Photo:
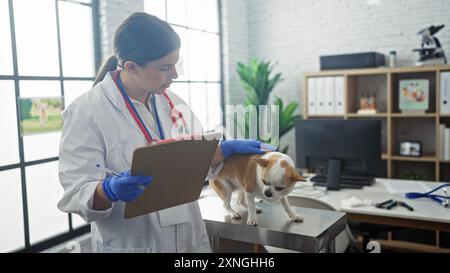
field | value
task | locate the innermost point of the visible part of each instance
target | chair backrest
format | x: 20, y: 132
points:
x: 344, y: 239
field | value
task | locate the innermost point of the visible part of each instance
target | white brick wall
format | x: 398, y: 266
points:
x: 295, y: 33
x: 112, y: 13
x: 236, y: 46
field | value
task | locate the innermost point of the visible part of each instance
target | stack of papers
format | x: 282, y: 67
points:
x: 405, y: 186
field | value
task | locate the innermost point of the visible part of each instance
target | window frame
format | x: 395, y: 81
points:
x: 16, y: 78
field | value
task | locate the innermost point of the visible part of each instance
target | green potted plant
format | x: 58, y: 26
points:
x: 256, y: 79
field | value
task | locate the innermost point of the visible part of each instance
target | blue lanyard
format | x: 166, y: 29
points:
x: 136, y: 114
x: 161, y: 134
x: 441, y: 199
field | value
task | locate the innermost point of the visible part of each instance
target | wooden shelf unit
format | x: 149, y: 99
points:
x: 395, y: 121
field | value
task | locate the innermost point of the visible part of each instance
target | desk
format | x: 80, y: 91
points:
x: 427, y: 214
x: 315, y: 234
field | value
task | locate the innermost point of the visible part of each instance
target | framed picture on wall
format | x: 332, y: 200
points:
x: 411, y: 148
x: 40, y: 115
x: 414, y: 95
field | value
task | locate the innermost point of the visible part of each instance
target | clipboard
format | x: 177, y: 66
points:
x: 179, y: 169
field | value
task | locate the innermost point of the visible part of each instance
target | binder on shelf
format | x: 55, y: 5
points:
x: 445, y: 93
x: 442, y: 141
x: 312, y: 96
x: 447, y: 144
x: 321, y: 95
x: 330, y: 108
x: 339, y: 95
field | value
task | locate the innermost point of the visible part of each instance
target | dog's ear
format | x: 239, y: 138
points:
x: 296, y: 177
x: 261, y: 161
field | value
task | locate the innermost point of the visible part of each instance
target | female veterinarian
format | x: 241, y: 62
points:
x: 129, y: 107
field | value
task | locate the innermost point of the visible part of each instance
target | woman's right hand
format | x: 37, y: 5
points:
x: 240, y: 146
x: 125, y: 188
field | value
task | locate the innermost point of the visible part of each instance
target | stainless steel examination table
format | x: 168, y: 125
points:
x: 315, y: 234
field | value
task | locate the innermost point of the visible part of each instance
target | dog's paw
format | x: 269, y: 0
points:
x: 236, y: 216
x: 297, y: 219
x: 259, y: 210
x: 251, y: 221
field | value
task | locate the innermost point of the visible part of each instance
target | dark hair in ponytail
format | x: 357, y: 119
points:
x: 141, y: 38
x: 110, y: 65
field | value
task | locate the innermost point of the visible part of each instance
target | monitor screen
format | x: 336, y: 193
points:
x: 356, y: 143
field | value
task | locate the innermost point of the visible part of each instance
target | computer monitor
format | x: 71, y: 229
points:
x: 348, y: 152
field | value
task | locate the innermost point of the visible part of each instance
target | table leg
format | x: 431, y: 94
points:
x: 214, y: 242
x: 331, y: 247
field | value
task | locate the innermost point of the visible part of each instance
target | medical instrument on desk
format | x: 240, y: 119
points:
x: 111, y: 172
x: 391, y: 203
x: 441, y: 199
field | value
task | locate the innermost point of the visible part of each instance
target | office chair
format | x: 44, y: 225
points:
x: 345, y: 241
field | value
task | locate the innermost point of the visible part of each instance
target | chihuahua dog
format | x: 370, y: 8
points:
x: 270, y: 177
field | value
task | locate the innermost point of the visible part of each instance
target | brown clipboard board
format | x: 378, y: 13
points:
x: 179, y: 169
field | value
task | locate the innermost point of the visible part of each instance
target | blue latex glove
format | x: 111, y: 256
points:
x: 125, y: 188
x: 240, y: 146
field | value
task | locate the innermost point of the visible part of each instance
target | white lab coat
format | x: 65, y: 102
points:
x: 98, y: 128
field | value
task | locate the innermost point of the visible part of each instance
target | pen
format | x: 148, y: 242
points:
x: 142, y: 187
x: 383, y: 204
x: 108, y: 170
x: 403, y: 204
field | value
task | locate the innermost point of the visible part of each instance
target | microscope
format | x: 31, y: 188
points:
x: 431, y: 52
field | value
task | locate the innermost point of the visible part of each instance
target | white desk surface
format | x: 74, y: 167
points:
x: 424, y: 208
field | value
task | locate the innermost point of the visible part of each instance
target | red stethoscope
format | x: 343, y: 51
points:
x: 175, y: 114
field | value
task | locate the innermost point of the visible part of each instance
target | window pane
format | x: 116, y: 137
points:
x: 211, y: 16
x: 11, y: 211
x: 73, y: 89
x: 182, y: 65
x: 176, y: 12
x: 76, y: 39
x: 197, y: 49
x: 156, y: 7
x: 43, y: 145
x: 214, y: 106
x: 37, y: 48
x: 6, y: 67
x: 195, y: 14
x: 212, y: 56
x: 198, y: 102
x: 43, y: 193
x: 182, y: 90
x: 9, y: 144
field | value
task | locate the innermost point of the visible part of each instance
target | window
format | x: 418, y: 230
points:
x: 9, y: 144
x: 43, y: 193
x: 6, y: 65
x: 73, y: 17
x: 11, y: 211
x: 36, y: 54
x: 50, y: 55
x: 199, y: 68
